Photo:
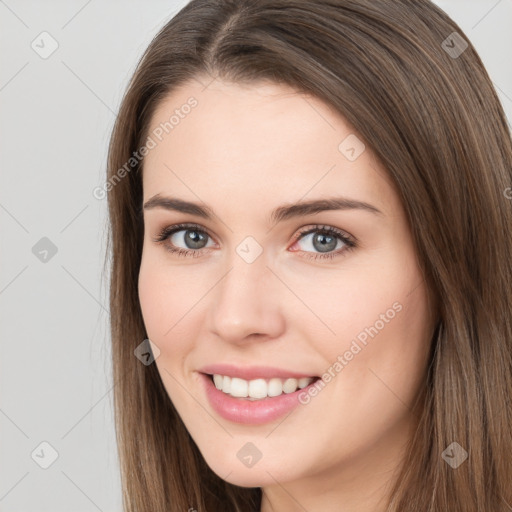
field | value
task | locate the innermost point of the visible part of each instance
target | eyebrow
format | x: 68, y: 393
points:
x: 284, y: 212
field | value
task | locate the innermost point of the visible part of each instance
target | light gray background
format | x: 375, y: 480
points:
x: 56, y: 118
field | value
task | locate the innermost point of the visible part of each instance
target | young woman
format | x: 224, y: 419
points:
x: 311, y: 235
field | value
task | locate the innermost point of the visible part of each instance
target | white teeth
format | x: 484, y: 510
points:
x: 303, y: 382
x: 275, y: 387
x: 290, y: 385
x: 226, y: 384
x: 217, y: 379
x: 258, y: 389
x: 239, y: 387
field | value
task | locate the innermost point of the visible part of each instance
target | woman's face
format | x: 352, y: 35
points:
x: 264, y: 293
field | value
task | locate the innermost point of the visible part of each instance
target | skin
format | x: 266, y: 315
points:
x: 244, y: 150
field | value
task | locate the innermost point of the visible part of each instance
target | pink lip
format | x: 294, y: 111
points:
x: 251, y: 372
x: 241, y: 410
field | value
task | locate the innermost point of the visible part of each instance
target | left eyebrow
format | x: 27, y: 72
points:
x: 304, y: 208
x: 284, y: 212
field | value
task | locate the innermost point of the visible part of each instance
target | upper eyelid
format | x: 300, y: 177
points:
x: 298, y: 234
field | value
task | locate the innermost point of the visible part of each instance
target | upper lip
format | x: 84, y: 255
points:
x: 251, y: 372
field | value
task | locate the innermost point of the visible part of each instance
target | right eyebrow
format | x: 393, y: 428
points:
x: 178, y: 205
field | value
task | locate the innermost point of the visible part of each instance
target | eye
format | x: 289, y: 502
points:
x: 325, y: 239
x: 194, y: 240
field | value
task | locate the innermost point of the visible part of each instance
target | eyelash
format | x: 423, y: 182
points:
x: 349, y: 242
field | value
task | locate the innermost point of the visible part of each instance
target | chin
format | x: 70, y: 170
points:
x: 245, y: 477
x: 259, y: 475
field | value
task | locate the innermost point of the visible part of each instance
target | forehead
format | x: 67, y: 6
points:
x: 261, y: 142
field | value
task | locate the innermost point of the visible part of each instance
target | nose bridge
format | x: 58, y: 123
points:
x: 246, y: 299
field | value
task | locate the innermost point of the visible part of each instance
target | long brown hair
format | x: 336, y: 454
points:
x: 420, y: 97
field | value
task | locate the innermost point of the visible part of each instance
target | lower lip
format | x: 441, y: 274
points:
x: 249, y: 412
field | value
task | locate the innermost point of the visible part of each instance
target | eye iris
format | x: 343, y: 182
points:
x: 194, y: 238
x: 323, y: 245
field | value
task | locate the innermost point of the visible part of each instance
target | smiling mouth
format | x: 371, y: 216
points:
x: 259, y: 389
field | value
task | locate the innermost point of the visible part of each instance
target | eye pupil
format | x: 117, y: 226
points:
x: 195, y: 238
x: 323, y: 245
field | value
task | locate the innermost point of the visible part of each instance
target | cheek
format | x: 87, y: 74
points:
x: 161, y: 309
x: 161, y: 301
x: 150, y: 298
x: 167, y: 300
x: 384, y: 360
x: 383, y: 327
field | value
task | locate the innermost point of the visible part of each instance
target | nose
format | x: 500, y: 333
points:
x: 247, y: 303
